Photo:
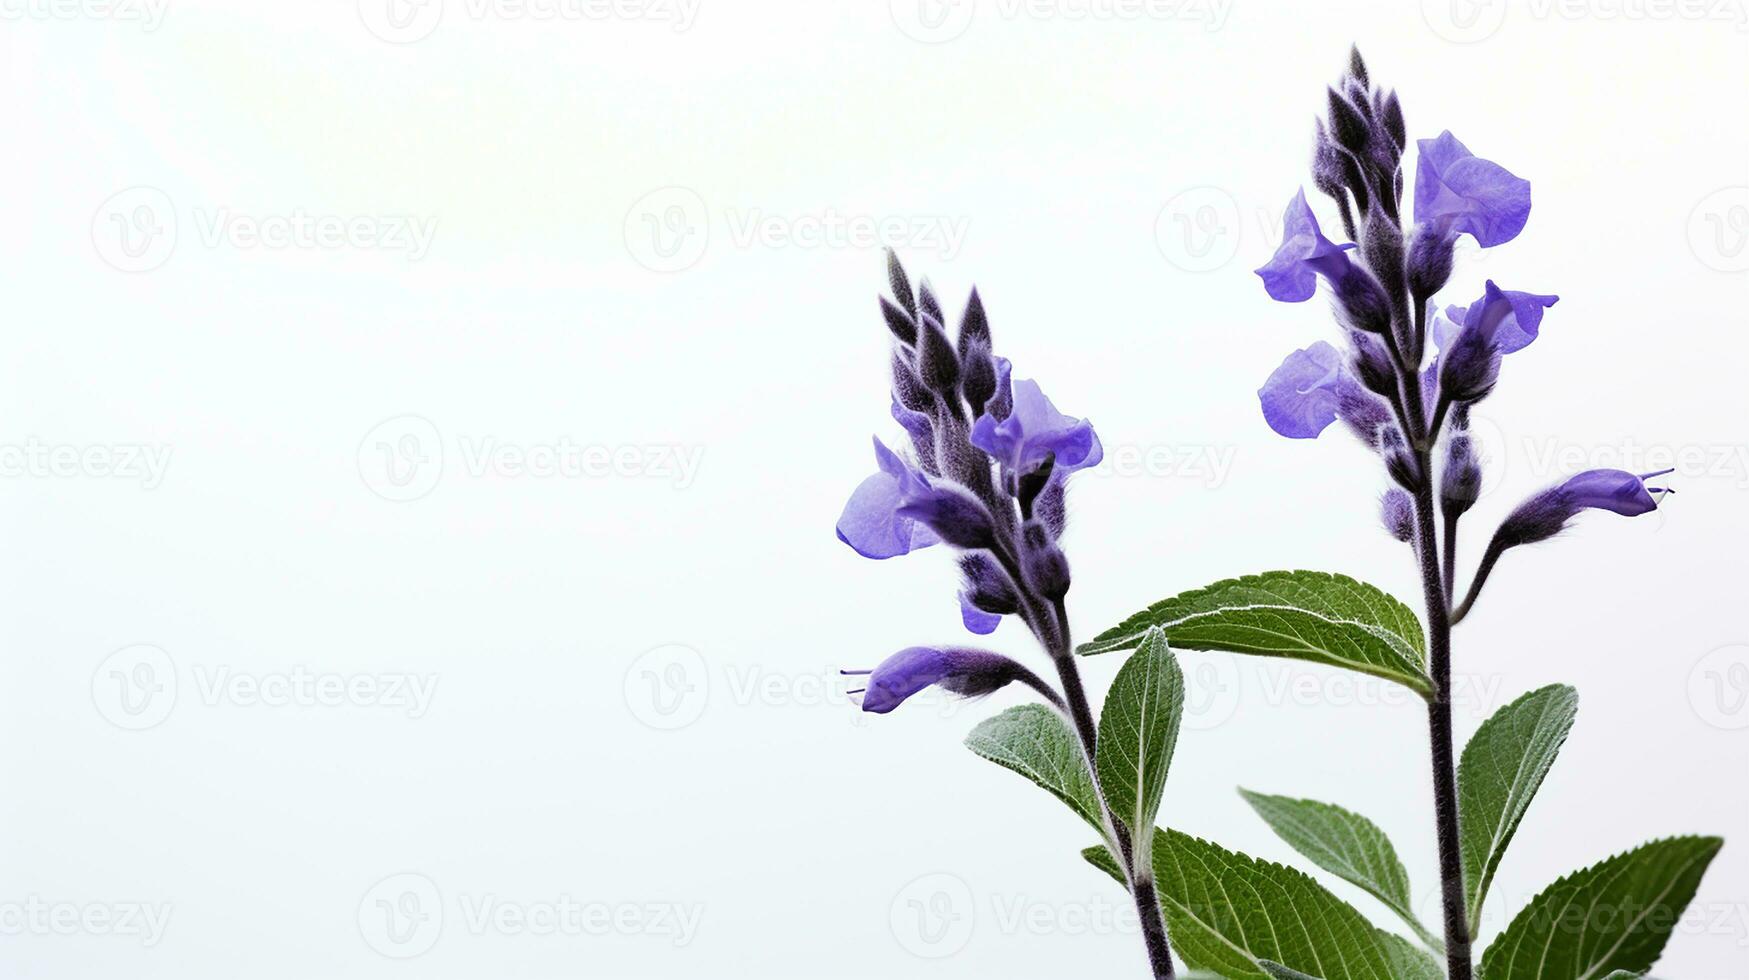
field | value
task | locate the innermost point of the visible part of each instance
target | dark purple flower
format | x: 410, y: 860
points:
x: 872, y: 523
x: 1292, y: 275
x: 966, y: 672
x: 1546, y: 513
x: 1457, y: 192
x: 1032, y: 430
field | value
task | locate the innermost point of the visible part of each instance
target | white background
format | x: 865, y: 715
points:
x: 1115, y: 178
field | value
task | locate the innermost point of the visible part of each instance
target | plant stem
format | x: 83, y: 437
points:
x: 1445, y: 805
x: 1141, y: 878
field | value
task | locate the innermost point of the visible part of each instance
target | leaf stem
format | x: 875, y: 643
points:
x: 1141, y: 876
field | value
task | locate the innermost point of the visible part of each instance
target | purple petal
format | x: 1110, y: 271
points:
x: 1299, y: 399
x: 1460, y: 193
x: 977, y: 620
x: 962, y: 671
x: 1292, y: 274
x: 1034, y: 429
x: 871, y: 523
x: 1507, y: 317
x: 1618, y: 491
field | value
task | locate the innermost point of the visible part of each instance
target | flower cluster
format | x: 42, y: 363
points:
x: 985, y: 473
x: 1409, y: 373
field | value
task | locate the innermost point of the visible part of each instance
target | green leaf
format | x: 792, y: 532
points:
x: 1345, y: 844
x: 1325, y: 619
x: 1280, y: 972
x: 1036, y: 742
x: 1501, y: 770
x: 1138, y: 730
x: 1612, y: 916
x: 1409, y: 961
x: 1228, y: 913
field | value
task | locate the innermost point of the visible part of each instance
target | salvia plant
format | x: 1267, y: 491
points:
x: 985, y: 471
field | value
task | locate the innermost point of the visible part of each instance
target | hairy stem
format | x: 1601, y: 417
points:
x: 1445, y: 805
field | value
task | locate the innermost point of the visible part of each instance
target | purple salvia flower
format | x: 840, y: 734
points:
x: 1457, y: 192
x: 966, y: 672
x: 1292, y: 275
x: 1506, y: 318
x: 872, y: 524
x: 1546, y: 513
x: 1032, y: 430
x: 1316, y: 386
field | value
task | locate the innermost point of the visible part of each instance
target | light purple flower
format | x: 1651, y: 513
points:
x: 872, y: 523
x: 1292, y: 275
x: 977, y: 620
x: 1457, y: 192
x: 1299, y: 399
x: 1034, y: 429
x: 962, y: 671
x: 1505, y: 318
x: 1544, y: 514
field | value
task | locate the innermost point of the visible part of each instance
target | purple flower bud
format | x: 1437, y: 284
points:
x: 901, y: 285
x: 977, y: 620
x: 1429, y: 263
x: 1468, y: 370
x: 927, y: 304
x: 974, y: 324
x: 966, y: 672
x: 1042, y: 563
x: 1461, y: 477
x: 1292, y: 275
x: 979, y: 380
x: 1472, y: 340
x: 1364, y: 413
x: 1363, y: 303
x: 937, y: 363
x: 954, y: 515
x: 1459, y: 193
x: 1397, y: 512
x: 1400, y: 462
x: 988, y: 590
x: 1392, y: 112
x: 1373, y: 364
x: 899, y: 322
x: 908, y: 387
x: 1545, y: 514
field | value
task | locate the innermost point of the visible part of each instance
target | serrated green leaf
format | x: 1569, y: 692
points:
x: 1312, y: 616
x: 1345, y: 844
x: 1036, y: 742
x: 1227, y: 913
x: 1138, y: 730
x: 1409, y: 961
x: 1613, y: 916
x: 1280, y: 972
x: 1502, y: 768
